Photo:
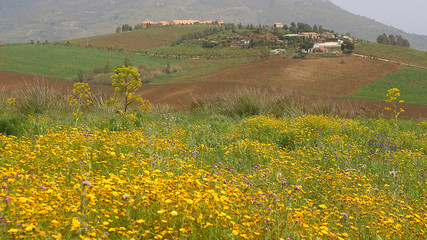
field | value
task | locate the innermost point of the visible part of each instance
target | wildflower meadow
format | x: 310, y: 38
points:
x: 177, y: 176
x: 141, y: 173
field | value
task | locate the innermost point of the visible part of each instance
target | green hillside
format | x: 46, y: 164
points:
x: 411, y: 82
x: 64, y: 62
x: 141, y: 39
x: 395, y: 53
x: 23, y: 20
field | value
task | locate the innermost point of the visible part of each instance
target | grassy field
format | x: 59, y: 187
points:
x: 141, y: 39
x: 411, y: 82
x: 64, y: 62
x: 196, y: 70
x: 187, y: 50
x: 399, y: 54
x: 170, y: 176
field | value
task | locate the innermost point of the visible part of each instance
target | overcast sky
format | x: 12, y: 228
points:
x: 407, y: 15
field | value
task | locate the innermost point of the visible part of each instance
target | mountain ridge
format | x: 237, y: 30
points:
x: 39, y: 20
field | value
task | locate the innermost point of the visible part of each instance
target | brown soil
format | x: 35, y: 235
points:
x: 317, y: 82
x: 325, y: 76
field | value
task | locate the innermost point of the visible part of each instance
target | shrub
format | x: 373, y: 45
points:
x: 11, y: 125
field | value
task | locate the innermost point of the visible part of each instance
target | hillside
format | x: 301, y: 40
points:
x: 56, y: 20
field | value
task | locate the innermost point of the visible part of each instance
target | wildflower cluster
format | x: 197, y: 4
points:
x: 79, y: 100
x: 393, y: 95
x: 309, y: 177
x: 12, y: 105
x: 126, y: 82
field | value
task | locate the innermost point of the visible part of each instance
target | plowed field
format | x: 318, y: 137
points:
x: 316, y: 81
x: 324, y: 76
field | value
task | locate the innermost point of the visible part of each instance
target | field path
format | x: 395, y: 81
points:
x: 391, y: 61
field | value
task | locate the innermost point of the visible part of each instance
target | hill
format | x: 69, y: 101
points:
x: 55, y: 20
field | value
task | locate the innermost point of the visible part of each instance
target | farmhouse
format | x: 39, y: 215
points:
x: 147, y: 23
x: 183, y: 22
x: 309, y: 35
x: 278, y: 25
x: 327, y: 35
x: 221, y: 23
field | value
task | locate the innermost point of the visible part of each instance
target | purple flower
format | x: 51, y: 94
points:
x: 297, y: 188
x: 6, y: 198
x: 36, y: 136
x: 6, y: 187
x: 296, y: 220
x: 266, y: 229
x: 86, y: 183
x: 345, y: 214
x: 125, y: 197
x: 288, y: 238
x: 392, y: 172
x: 1, y: 218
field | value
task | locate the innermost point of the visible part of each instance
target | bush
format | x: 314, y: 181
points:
x: 11, y: 125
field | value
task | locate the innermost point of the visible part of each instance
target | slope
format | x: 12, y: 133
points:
x: 58, y: 20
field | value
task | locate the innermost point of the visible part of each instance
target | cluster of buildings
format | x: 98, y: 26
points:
x: 147, y: 23
x: 318, y: 37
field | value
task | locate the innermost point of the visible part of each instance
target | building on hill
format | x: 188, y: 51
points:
x: 183, y: 22
x: 278, y: 25
x: 147, y: 23
x: 327, y: 35
x: 309, y: 35
x: 222, y: 23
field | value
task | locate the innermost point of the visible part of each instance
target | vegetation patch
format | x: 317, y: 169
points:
x: 65, y: 62
x: 411, y: 82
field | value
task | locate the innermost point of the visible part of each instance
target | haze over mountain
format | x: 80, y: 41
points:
x: 40, y: 20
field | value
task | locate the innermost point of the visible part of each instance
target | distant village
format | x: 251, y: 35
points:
x: 322, y: 40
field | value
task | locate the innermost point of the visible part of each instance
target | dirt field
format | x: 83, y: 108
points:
x: 324, y: 76
x: 318, y: 82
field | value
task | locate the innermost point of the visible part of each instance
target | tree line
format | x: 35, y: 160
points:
x: 393, y: 40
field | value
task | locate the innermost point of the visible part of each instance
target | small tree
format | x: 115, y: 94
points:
x: 306, y: 45
x: 126, y: 82
x: 347, y: 46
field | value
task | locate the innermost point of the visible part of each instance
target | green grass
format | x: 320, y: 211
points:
x: 411, y: 82
x: 194, y: 71
x: 193, y: 50
x: 65, y: 62
x: 399, y: 54
x: 141, y: 39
